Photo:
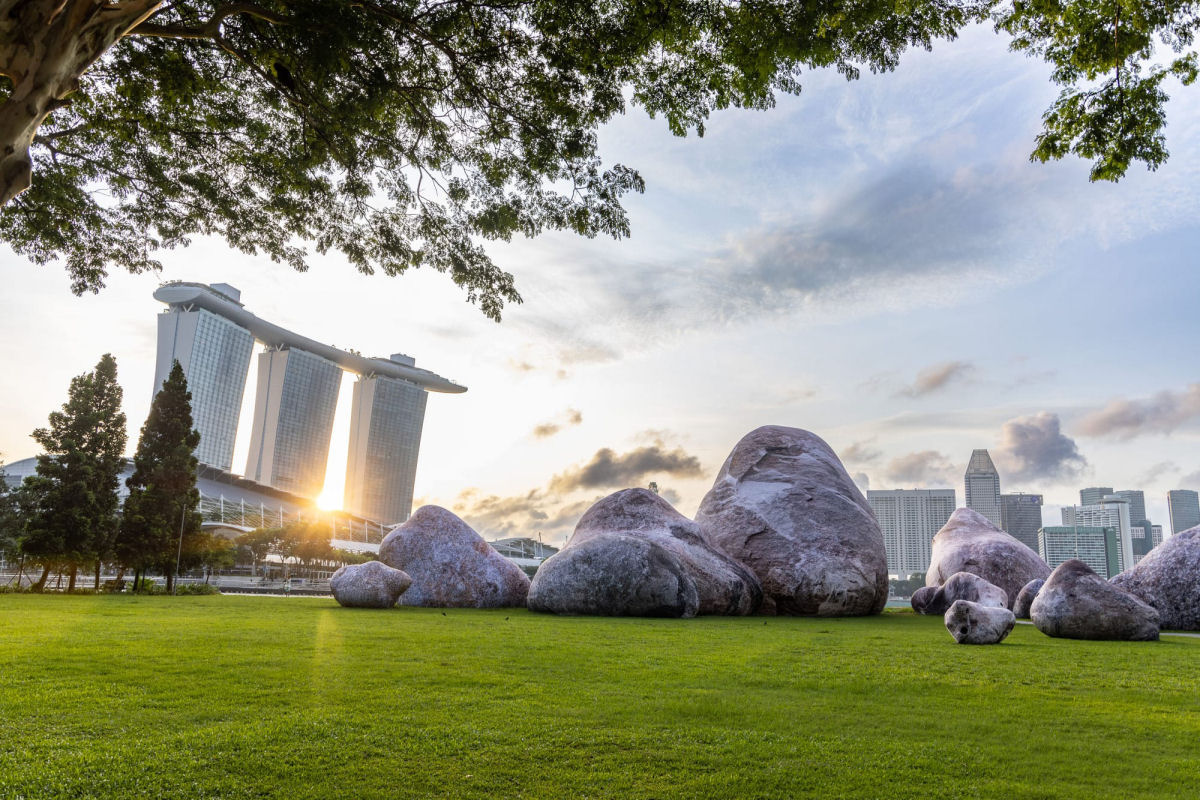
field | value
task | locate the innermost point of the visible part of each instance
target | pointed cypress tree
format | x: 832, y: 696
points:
x: 74, y: 495
x: 162, y: 489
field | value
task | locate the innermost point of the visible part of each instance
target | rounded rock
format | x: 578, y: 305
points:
x: 369, y: 585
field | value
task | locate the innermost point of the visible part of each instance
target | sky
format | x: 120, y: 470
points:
x: 876, y: 261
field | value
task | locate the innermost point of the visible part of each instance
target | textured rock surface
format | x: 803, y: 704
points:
x: 597, y: 572
x: 1025, y: 598
x: 1076, y: 603
x: 975, y: 623
x: 370, y: 585
x: 1168, y: 578
x: 784, y: 506
x: 964, y: 586
x: 968, y: 542
x: 451, y: 565
x: 921, y: 599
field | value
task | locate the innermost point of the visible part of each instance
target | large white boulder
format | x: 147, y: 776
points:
x: 1168, y: 578
x: 1076, y: 603
x: 969, y: 542
x: 784, y: 506
x: 370, y: 585
x: 450, y: 564
x: 633, y: 554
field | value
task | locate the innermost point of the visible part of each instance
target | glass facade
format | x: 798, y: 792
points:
x: 909, y: 519
x: 1021, y: 517
x: 293, y: 420
x: 1097, y: 546
x: 385, y: 441
x: 1184, y: 508
x: 215, y: 354
x: 982, y: 484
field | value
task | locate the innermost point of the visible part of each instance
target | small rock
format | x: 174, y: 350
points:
x: 964, y: 586
x: 1168, y: 578
x: 369, y: 585
x: 450, y: 564
x: 1076, y: 603
x: 974, y: 623
x: 1026, y: 597
x: 784, y: 506
x: 921, y: 599
x: 968, y: 542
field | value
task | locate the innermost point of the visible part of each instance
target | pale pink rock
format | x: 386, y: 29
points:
x: 969, y: 542
x: 450, y: 564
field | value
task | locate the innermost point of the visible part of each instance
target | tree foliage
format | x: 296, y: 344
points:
x: 1106, y: 55
x: 73, y: 498
x: 406, y: 133
x: 162, y: 500
x: 401, y: 133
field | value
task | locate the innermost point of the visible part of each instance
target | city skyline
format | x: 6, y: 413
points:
x: 876, y: 262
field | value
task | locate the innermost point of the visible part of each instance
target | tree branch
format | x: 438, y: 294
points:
x: 211, y: 29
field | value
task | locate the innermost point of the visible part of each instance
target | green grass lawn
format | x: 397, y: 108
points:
x: 251, y: 697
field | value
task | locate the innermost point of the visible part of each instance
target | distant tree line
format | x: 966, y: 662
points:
x: 899, y: 588
x: 68, y: 516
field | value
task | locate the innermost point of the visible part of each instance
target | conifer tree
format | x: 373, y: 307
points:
x: 162, y: 490
x: 74, y: 495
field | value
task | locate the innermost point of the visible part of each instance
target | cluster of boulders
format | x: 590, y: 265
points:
x: 982, y: 580
x: 784, y: 530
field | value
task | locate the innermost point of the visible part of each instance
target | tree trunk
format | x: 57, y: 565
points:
x: 71, y: 580
x: 45, y: 47
x: 40, y: 586
x: 96, y: 585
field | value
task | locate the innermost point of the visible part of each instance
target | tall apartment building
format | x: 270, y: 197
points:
x: 982, y: 484
x: 1021, y: 517
x: 1097, y: 546
x: 1184, y: 508
x: 1137, y: 505
x: 909, y: 518
x: 293, y: 420
x: 1111, y: 512
x: 385, y: 439
x: 212, y: 335
x: 215, y: 355
x: 1093, y: 495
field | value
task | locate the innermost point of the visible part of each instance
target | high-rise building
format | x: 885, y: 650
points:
x: 1093, y: 495
x: 1111, y: 512
x: 1021, y: 517
x: 293, y: 420
x: 1137, y: 504
x: 212, y: 335
x: 215, y: 355
x: 909, y: 518
x: 1097, y: 546
x: 1184, y: 508
x: 982, y: 483
x: 385, y: 439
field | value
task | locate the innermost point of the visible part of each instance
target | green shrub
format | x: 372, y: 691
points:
x: 196, y: 588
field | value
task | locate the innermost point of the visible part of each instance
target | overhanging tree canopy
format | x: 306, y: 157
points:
x: 405, y: 132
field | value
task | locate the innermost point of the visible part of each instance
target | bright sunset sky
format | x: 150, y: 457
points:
x: 875, y: 261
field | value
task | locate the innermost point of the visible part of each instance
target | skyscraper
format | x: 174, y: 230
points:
x: 1111, y: 512
x: 1021, y: 517
x: 1093, y: 495
x: 1184, y: 507
x: 293, y: 420
x: 212, y: 335
x: 385, y: 439
x: 1137, y: 505
x: 983, y: 486
x: 215, y: 355
x: 1097, y: 546
x: 909, y: 519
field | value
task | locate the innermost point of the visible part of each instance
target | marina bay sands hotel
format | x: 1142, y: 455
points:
x: 212, y: 335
